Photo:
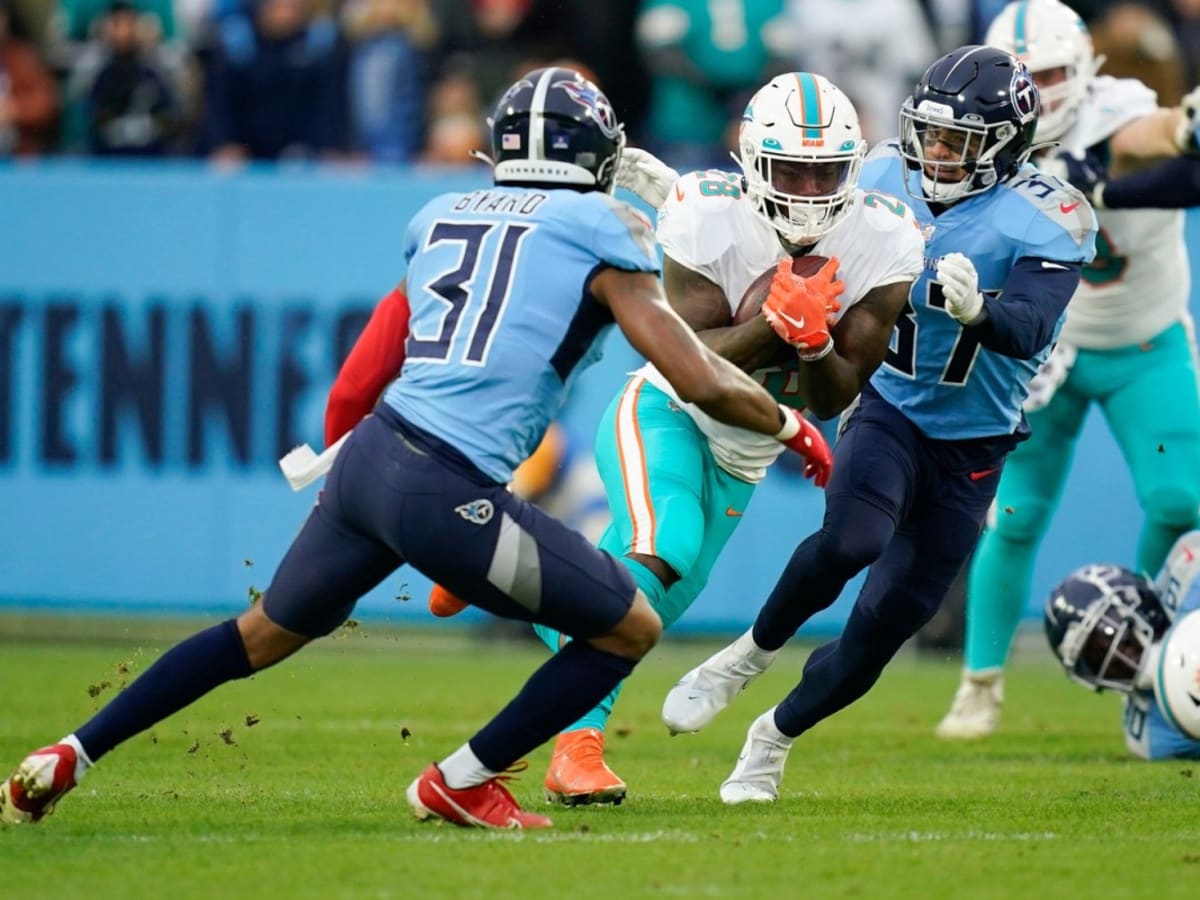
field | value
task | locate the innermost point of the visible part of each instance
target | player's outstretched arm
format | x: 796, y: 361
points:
x: 1173, y: 184
x: 696, y: 373
x: 374, y: 360
x: 1161, y: 134
x: 703, y: 305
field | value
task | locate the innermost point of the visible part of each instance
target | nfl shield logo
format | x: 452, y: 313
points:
x: 510, y: 142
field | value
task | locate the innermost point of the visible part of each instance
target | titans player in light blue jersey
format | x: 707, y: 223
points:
x: 507, y: 295
x: 1109, y: 629
x: 919, y: 457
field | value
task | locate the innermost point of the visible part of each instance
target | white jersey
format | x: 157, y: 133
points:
x: 1138, y: 284
x: 708, y: 226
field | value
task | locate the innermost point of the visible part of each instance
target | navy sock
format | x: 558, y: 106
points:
x: 569, y: 684
x: 183, y: 674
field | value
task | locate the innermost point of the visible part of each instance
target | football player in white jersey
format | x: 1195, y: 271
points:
x: 1126, y: 346
x: 677, y: 480
x: 1114, y: 630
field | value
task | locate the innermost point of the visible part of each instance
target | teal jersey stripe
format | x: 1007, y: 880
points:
x: 1022, y: 45
x: 810, y: 106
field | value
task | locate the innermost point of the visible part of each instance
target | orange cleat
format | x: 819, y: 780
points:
x: 487, y: 805
x: 444, y: 604
x: 578, y: 773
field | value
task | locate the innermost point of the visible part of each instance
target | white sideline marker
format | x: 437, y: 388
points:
x: 301, y: 466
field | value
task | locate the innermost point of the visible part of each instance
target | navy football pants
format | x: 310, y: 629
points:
x: 909, y: 507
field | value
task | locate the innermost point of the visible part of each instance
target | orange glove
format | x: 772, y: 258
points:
x: 799, y: 309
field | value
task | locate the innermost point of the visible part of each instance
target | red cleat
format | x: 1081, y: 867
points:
x: 487, y: 805
x: 444, y: 604
x: 41, y: 779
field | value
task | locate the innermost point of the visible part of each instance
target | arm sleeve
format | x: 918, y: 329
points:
x: 1024, y: 318
x: 1173, y: 184
x: 374, y: 360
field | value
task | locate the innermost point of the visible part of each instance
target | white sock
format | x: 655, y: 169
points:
x: 752, y: 653
x: 462, y: 769
x: 82, y: 762
x: 767, y: 728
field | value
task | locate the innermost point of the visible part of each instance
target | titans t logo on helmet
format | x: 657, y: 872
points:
x: 586, y: 95
x: 1023, y: 94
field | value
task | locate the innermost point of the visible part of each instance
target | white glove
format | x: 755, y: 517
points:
x: 960, y: 287
x: 1050, y: 376
x: 1185, y: 132
x: 646, y: 175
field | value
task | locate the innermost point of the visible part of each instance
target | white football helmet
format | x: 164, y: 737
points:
x: 1046, y: 34
x: 1177, y: 681
x: 801, y: 152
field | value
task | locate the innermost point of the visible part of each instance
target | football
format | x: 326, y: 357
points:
x: 756, y: 295
x: 752, y: 300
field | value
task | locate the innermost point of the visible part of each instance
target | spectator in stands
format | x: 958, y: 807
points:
x: 28, y: 94
x: 276, y: 85
x: 454, y: 109
x: 501, y: 37
x: 131, y: 109
x: 75, y: 25
x: 387, y: 79
x: 875, y: 70
x: 705, y: 61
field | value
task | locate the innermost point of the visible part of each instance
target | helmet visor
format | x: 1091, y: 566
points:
x: 946, y: 151
x: 1106, y: 648
x: 803, y: 197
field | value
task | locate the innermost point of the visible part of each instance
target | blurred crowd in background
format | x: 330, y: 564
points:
x: 403, y: 81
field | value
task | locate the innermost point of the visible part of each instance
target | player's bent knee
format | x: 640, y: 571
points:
x: 1172, y: 507
x: 1023, y: 521
x: 265, y: 641
x: 636, y: 634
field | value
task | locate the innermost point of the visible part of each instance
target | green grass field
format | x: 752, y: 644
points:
x: 309, y: 800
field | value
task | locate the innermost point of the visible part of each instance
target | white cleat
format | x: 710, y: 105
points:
x: 707, y: 689
x: 759, y: 769
x: 975, y: 712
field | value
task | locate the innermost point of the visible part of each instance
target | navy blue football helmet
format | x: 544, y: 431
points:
x: 1100, y: 622
x: 979, y: 107
x: 554, y: 127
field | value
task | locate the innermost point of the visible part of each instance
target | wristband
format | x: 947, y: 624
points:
x: 791, y: 426
x: 816, y: 354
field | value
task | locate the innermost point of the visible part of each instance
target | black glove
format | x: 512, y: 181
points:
x: 1087, y: 174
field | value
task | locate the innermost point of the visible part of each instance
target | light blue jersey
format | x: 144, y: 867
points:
x: 501, y: 318
x: 943, y: 381
x: 1148, y: 734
